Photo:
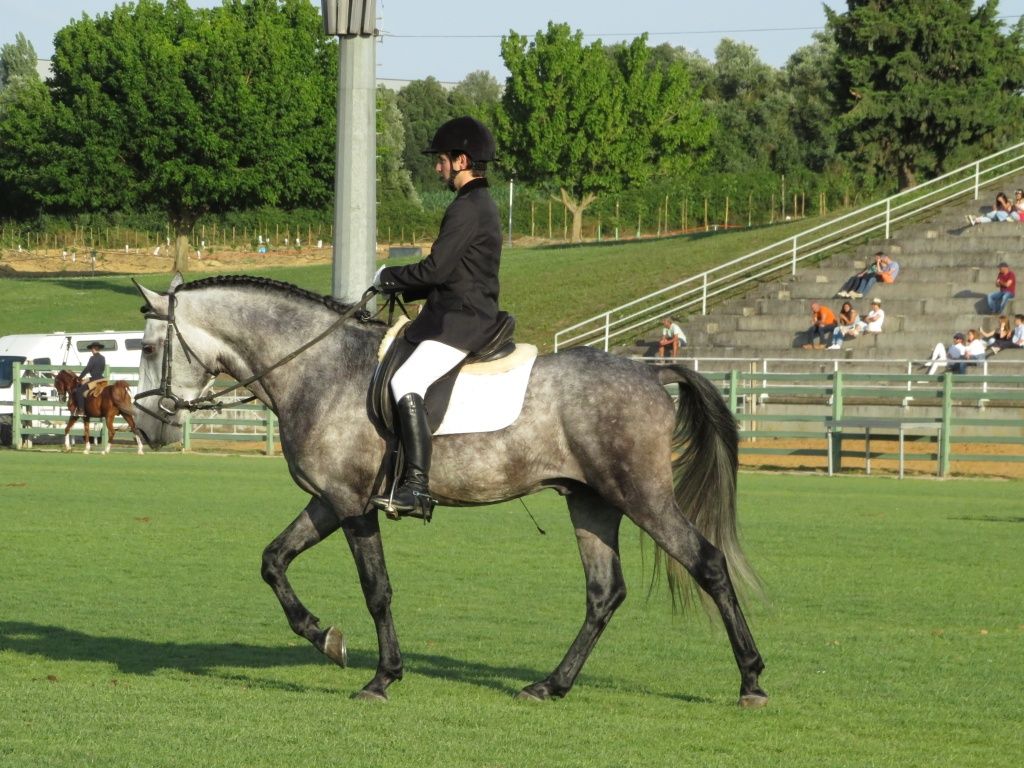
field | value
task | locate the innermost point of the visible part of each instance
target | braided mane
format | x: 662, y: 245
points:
x: 265, y: 282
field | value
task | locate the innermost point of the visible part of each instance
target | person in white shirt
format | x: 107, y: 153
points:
x: 672, y: 338
x: 956, y: 351
x: 873, y: 318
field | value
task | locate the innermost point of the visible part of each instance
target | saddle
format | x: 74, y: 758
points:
x: 96, y: 387
x: 395, y: 349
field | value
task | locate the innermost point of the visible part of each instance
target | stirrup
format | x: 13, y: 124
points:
x: 422, y: 507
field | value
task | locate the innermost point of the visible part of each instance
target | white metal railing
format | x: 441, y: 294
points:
x: 694, y: 295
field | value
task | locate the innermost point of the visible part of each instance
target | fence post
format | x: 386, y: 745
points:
x: 186, y: 432
x: 794, y: 255
x: 270, y: 431
x: 888, y: 214
x: 977, y: 179
x: 734, y: 381
x: 704, y: 296
x: 16, y: 409
x: 837, y: 415
x: 947, y: 422
x: 607, y: 329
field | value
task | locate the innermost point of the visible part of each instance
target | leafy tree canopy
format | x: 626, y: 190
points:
x: 590, y: 119
x: 921, y: 82
x: 189, y: 111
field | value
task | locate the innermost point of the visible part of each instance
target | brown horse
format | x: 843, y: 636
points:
x: 115, y: 398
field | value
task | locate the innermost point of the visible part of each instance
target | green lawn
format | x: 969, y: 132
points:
x: 135, y: 629
x: 546, y: 288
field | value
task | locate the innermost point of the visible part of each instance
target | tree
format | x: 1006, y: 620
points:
x: 921, y: 82
x: 156, y: 105
x: 424, y: 106
x: 393, y: 178
x: 24, y: 111
x: 478, y: 95
x: 590, y: 120
x: 17, y: 60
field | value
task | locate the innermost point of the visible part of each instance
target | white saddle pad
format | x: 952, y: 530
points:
x: 486, y: 397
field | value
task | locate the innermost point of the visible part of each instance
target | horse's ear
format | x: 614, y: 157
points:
x: 176, y: 282
x: 155, y: 302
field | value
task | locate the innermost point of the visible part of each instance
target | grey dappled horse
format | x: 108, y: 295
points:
x: 599, y: 429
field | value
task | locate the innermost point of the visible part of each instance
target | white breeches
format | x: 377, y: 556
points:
x: 429, y: 361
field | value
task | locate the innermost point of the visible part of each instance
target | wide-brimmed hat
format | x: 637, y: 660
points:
x: 96, y: 345
x: 876, y: 301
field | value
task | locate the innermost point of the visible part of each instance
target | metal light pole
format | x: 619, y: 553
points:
x: 353, y: 22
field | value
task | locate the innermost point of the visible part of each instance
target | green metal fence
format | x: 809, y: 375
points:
x: 34, y: 416
x: 956, y: 417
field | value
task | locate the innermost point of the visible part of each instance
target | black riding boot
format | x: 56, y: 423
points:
x: 412, y: 497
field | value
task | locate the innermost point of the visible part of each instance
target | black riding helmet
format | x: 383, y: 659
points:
x: 464, y: 135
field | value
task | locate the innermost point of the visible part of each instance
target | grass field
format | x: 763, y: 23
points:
x: 135, y: 629
x: 545, y: 288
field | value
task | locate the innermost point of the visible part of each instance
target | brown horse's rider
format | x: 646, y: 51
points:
x: 93, y: 370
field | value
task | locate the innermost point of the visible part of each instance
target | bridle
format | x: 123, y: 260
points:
x: 170, y: 403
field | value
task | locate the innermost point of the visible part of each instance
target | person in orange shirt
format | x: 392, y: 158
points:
x: 823, y: 323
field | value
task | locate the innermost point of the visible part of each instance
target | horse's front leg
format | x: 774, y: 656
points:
x: 313, y: 525
x: 110, y: 433
x: 85, y: 426
x: 363, y: 534
x: 67, y: 432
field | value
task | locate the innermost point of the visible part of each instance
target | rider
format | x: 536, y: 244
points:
x: 94, y: 369
x: 459, y: 279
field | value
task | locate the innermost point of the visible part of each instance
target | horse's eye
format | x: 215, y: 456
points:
x: 148, y: 349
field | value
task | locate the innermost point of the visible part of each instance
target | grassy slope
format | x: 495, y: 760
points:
x: 136, y: 630
x: 546, y: 288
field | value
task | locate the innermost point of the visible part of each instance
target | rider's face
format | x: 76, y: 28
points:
x: 448, y: 169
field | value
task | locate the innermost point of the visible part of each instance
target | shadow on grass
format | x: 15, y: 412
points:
x: 143, y: 657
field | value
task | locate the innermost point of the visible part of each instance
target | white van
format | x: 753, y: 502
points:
x: 121, y: 349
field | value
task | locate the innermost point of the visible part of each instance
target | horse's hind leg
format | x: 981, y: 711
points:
x: 707, y: 564
x: 313, y: 525
x: 597, y: 534
x: 130, y: 420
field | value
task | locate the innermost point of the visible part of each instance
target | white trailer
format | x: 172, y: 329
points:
x: 121, y: 349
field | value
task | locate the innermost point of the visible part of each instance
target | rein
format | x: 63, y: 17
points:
x: 210, y: 401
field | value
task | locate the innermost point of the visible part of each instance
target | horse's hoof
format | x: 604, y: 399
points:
x: 335, y: 647
x: 753, y: 700
x: 365, y: 695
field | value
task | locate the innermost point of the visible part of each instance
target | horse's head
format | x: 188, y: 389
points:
x: 64, y: 382
x: 170, y: 370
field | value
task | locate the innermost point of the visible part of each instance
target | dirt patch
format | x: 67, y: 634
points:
x: 135, y: 261
x: 919, y: 458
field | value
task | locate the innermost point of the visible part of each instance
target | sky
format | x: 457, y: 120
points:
x: 448, y: 40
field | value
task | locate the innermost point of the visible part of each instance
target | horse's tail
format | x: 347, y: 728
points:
x: 705, y: 447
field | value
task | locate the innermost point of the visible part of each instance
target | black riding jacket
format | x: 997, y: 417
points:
x: 459, y: 279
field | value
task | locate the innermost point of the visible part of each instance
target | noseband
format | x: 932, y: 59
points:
x: 165, y: 413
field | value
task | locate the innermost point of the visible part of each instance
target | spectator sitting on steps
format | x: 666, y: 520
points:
x: 873, y: 320
x: 1006, y: 289
x: 956, y: 351
x: 823, y: 323
x: 848, y: 319
x: 1000, y: 212
x: 858, y: 286
x: 672, y: 338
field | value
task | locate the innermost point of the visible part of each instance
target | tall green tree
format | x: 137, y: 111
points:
x: 393, y: 178
x: 921, y: 82
x: 588, y: 120
x: 157, y: 105
x: 24, y: 111
x: 424, y: 105
x: 17, y: 60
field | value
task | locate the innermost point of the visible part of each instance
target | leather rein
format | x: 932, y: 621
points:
x: 211, y: 401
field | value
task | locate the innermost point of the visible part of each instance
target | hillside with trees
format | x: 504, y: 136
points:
x: 162, y: 117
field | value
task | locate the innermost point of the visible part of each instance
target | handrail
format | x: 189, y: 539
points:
x: 698, y: 293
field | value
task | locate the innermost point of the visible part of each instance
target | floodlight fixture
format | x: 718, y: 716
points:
x: 349, y: 18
